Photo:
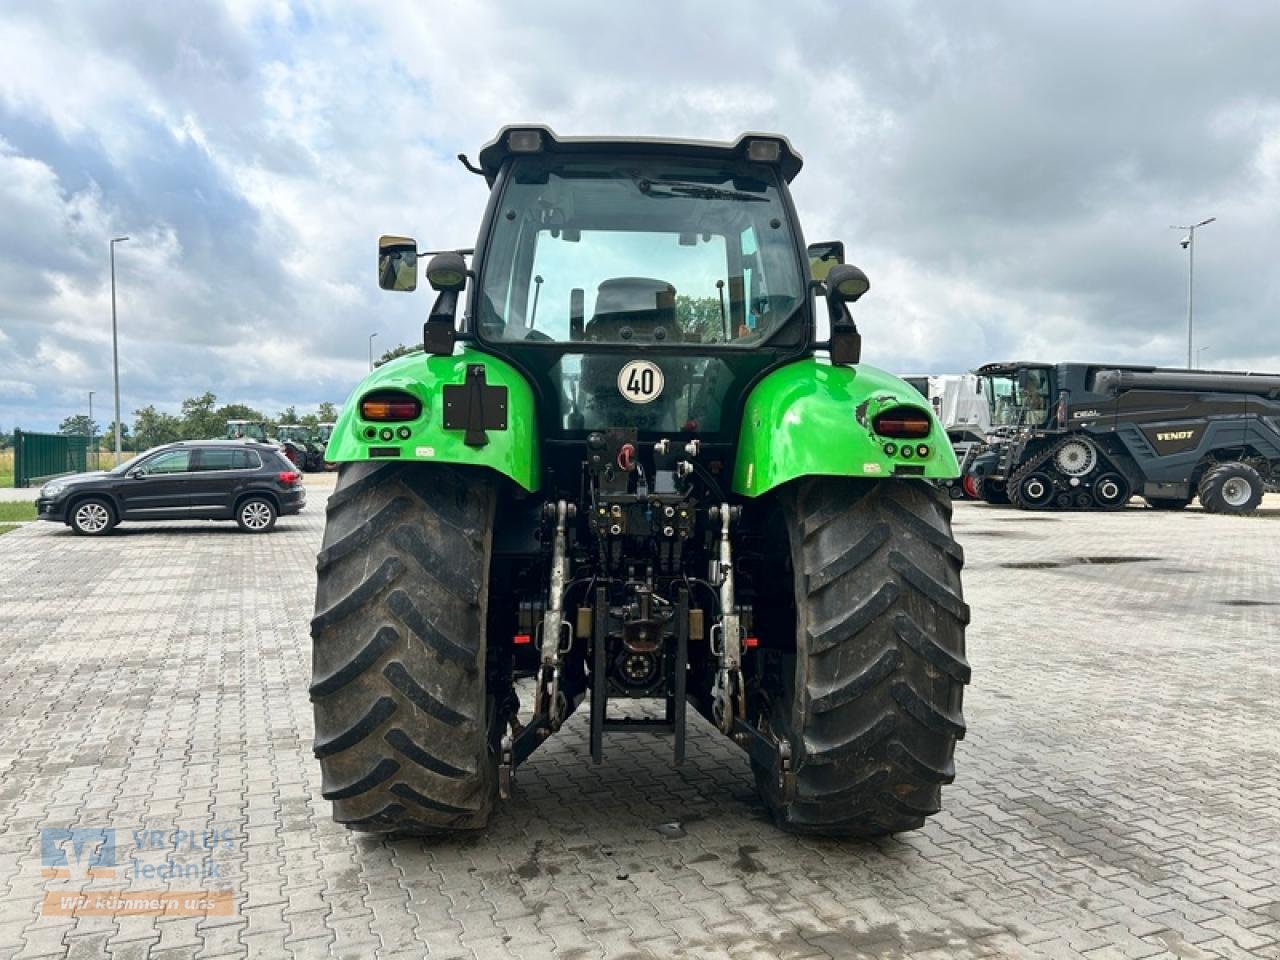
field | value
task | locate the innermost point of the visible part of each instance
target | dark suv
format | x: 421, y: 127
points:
x: 250, y: 483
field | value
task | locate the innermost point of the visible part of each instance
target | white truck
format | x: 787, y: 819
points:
x: 959, y: 402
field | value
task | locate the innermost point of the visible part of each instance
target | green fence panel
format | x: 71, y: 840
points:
x: 37, y: 457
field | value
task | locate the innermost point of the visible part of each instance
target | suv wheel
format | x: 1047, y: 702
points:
x: 92, y: 517
x: 256, y: 515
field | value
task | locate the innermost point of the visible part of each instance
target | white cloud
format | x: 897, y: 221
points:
x: 1006, y: 180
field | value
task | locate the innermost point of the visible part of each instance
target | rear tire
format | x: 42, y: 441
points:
x: 870, y: 703
x: 1231, y: 488
x: 405, y: 727
x: 992, y: 492
x: 256, y: 514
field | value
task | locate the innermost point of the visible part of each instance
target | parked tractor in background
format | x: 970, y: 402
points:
x: 959, y: 402
x: 246, y: 430
x: 301, y: 446
x: 630, y: 477
x: 1077, y: 436
x: 323, y: 432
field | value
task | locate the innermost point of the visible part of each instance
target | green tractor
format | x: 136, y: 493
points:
x: 246, y: 430
x: 302, y: 446
x: 625, y: 471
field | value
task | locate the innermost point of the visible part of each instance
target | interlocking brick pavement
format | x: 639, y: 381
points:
x: 1117, y: 795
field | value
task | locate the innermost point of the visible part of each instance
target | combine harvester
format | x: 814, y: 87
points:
x: 1079, y: 436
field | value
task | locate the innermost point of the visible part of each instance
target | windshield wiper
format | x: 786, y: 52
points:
x: 666, y: 189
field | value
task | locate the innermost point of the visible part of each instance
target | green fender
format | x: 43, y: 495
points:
x: 513, y: 452
x: 811, y: 418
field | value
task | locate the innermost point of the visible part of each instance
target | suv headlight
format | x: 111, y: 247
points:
x: 52, y: 490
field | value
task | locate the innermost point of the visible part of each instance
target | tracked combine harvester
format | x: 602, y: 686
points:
x: 1090, y: 436
x: 619, y: 474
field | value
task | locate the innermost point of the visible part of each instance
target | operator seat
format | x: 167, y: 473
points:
x: 631, y: 310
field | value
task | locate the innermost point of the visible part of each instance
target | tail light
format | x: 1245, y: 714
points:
x: 390, y: 406
x: 902, y: 422
x: 288, y: 477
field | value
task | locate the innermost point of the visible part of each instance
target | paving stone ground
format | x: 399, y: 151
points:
x: 1116, y: 796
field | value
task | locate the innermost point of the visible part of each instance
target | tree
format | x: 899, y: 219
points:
x: 399, y: 350
x: 108, y: 438
x: 199, y: 421
x: 78, y: 425
x: 6, y: 440
x: 701, y: 316
x: 326, y: 413
x: 152, y: 428
x: 288, y: 415
x: 236, y: 411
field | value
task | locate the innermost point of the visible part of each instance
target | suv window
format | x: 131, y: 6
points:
x: 215, y: 458
x: 174, y: 461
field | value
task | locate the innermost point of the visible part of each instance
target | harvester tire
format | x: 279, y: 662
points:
x: 405, y: 728
x: 1231, y: 488
x: 870, y: 703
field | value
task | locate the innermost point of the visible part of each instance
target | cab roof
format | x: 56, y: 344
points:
x: 532, y: 139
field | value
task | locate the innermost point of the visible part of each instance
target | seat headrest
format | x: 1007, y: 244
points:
x: 654, y: 300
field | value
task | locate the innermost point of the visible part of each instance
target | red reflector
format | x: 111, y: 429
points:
x: 390, y: 406
x: 522, y: 639
x: 288, y: 477
x: 902, y: 422
x: 751, y: 642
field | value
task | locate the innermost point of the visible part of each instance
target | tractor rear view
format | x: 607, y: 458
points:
x: 1090, y: 436
x: 619, y: 473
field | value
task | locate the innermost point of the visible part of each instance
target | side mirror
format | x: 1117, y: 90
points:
x: 823, y: 256
x: 398, y: 263
x: 135, y: 473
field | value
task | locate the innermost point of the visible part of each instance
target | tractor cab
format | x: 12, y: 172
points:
x: 636, y: 284
x: 246, y: 430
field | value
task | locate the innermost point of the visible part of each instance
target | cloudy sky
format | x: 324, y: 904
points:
x: 1005, y: 173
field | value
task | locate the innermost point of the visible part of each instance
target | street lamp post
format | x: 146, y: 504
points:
x: 1200, y: 350
x: 371, y: 336
x: 1189, y: 244
x: 115, y: 344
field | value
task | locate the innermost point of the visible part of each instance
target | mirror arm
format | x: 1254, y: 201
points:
x: 438, y: 333
x: 845, y: 344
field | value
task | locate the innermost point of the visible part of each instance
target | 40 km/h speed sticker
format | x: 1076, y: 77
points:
x: 640, y: 381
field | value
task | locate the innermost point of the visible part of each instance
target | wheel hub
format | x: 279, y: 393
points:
x: 92, y: 517
x: 1237, y: 491
x: 256, y: 516
x: 1075, y: 458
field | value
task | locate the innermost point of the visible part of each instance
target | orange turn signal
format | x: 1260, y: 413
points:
x: 390, y: 406
x: 902, y: 422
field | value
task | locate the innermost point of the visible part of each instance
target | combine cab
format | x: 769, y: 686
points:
x: 625, y: 473
x: 1089, y: 437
